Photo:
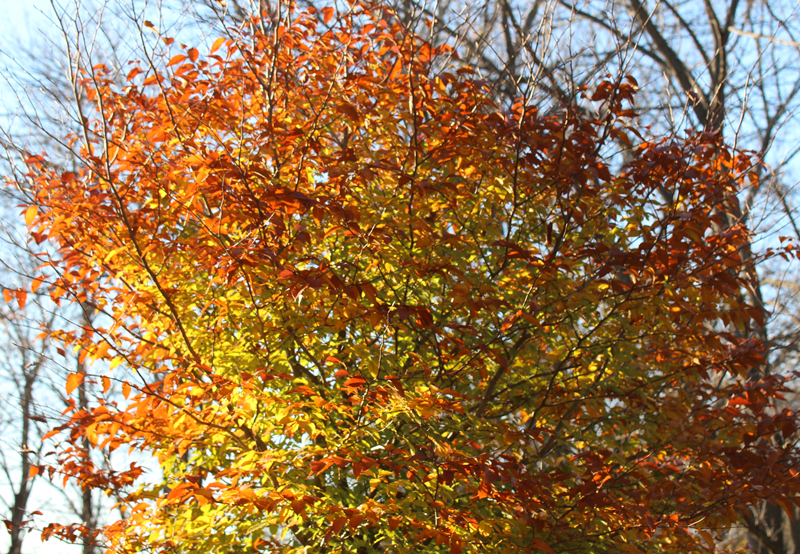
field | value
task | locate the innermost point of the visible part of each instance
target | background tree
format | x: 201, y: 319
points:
x: 23, y: 419
x: 41, y: 100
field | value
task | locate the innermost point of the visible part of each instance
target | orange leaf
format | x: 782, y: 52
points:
x: 510, y: 319
x: 133, y: 73
x: 51, y: 433
x: 22, y: 297
x: 179, y: 491
x: 36, y: 283
x: 126, y: 389
x: 396, y: 68
x: 176, y: 59
x: 193, y: 54
x: 73, y: 381
x: 217, y: 43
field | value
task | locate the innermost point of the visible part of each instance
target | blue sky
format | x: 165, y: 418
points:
x: 21, y: 16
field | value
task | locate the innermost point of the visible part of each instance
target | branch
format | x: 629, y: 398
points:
x: 673, y: 62
x: 765, y: 37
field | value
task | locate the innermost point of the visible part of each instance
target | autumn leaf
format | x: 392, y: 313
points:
x: 73, y: 381
x: 217, y: 44
x: 30, y: 215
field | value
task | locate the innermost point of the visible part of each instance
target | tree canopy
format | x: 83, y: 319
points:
x: 358, y: 305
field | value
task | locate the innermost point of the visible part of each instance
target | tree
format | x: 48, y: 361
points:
x: 359, y: 305
x: 22, y: 422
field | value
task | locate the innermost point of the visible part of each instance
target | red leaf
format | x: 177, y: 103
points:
x: 318, y: 466
x: 539, y: 544
x: 338, y: 524
x: 350, y: 111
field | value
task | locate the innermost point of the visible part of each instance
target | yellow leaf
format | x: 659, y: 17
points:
x: 30, y: 215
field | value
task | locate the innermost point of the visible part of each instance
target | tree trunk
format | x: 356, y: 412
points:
x: 22, y: 494
x: 87, y: 514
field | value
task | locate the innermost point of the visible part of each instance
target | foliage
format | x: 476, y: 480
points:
x: 358, y: 306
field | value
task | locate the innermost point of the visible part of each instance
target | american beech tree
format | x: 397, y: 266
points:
x: 356, y: 305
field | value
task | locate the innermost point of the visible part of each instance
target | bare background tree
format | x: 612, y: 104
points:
x: 43, y: 102
x: 24, y: 415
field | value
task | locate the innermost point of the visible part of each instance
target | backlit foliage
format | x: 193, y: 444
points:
x: 358, y: 306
